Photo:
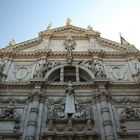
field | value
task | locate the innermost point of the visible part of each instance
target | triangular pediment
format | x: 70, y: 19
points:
x: 57, y: 36
x: 62, y: 32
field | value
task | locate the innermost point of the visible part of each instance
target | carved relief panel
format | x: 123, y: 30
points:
x: 20, y: 72
x: 118, y: 72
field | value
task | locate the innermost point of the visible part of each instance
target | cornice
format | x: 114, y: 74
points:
x: 62, y: 85
x: 115, y: 45
x: 90, y: 53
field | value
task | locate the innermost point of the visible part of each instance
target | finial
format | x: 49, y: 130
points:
x: 49, y: 26
x: 68, y: 22
x: 89, y: 27
x: 12, y: 42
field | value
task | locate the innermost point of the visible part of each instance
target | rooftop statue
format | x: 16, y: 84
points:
x: 49, y: 26
x: 12, y: 42
x: 89, y: 27
x: 69, y: 21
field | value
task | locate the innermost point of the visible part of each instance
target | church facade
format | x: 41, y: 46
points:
x: 69, y: 83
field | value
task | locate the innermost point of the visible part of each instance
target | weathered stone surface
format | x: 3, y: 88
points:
x: 69, y: 83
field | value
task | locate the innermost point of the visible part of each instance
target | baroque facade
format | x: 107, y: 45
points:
x: 69, y: 83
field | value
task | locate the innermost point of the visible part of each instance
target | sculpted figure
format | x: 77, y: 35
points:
x: 69, y: 89
x: 69, y: 44
x: 42, y: 69
x: 69, y: 21
x: 98, y: 69
x: 1, y: 67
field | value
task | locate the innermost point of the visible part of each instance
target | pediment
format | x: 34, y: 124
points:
x: 62, y: 32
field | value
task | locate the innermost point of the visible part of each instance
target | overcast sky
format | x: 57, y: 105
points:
x: 23, y: 19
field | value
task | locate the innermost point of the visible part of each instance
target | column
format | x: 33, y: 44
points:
x: 77, y: 74
x: 35, y: 99
x: 62, y: 74
x: 107, y: 122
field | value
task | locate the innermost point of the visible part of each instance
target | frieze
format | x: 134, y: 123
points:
x: 126, y: 100
x: 13, y: 100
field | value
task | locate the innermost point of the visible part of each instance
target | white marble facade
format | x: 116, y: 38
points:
x: 69, y: 83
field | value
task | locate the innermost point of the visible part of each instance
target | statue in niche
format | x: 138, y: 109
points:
x: 70, y: 105
x: 98, y: 69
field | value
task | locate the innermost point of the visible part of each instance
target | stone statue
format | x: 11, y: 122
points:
x: 42, y: 68
x: 69, y: 44
x: 1, y: 67
x: 89, y: 27
x: 12, y: 42
x: 70, y: 105
x: 49, y: 26
x: 69, y: 89
x: 98, y: 69
x: 69, y: 21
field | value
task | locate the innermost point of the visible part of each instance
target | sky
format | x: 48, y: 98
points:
x: 24, y: 19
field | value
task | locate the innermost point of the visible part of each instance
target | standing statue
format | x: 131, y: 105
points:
x: 69, y: 21
x: 69, y: 44
x: 69, y: 89
x: 70, y: 104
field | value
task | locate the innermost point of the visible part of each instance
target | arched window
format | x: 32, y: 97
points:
x: 69, y: 73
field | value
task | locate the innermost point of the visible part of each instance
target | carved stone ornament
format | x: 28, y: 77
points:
x: 10, y: 114
x: 44, y: 67
x: 21, y: 73
x: 130, y: 113
x: 2, y: 66
x: 99, y: 70
x: 69, y: 44
x: 13, y: 100
x: 118, y: 73
x: 55, y: 107
x: 126, y: 99
x: 36, y: 97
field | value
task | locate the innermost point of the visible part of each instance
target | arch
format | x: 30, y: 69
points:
x: 84, y: 73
